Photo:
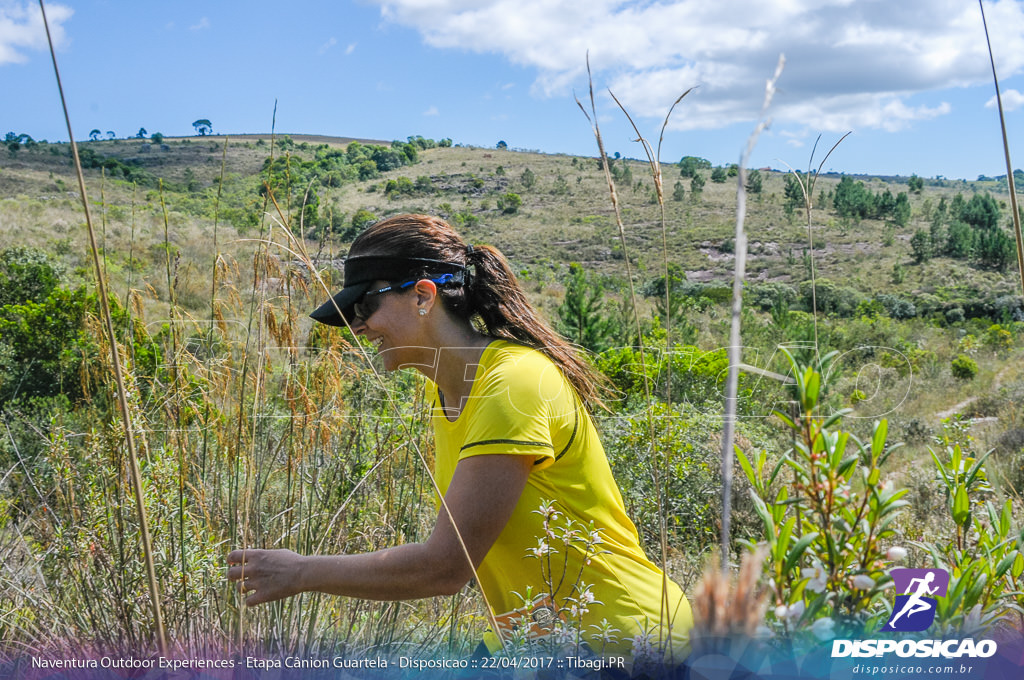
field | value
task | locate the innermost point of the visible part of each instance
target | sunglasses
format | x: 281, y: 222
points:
x: 370, y: 301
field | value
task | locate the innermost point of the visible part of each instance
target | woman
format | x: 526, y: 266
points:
x: 518, y: 461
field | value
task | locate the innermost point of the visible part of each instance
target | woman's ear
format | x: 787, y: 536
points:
x: 426, y: 294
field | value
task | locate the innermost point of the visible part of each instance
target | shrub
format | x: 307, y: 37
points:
x: 831, y: 298
x: 42, y: 346
x: 360, y: 221
x: 964, y: 368
x: 983, y: 554
x: 827, y: 557
x: 897, y: 307
x: 689, y: 466
x: 27, y: 275
x: 997, y: 338
x: 678, y: 191
x: 510, y: 203
x: 1009, y: 307
x: 766, y: 296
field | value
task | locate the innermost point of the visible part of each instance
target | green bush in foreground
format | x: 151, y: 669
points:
x: 832, y: 536
x: 829, y: 529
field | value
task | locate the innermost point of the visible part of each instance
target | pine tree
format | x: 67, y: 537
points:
x: 581, y: 314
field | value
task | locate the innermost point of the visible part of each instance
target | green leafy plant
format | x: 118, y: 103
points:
x: 983, y: 555
x: 828, y: 525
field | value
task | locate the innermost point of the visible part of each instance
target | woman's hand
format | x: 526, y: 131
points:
x: 265, y: 575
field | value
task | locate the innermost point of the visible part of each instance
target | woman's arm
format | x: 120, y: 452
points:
x: 482, y: 495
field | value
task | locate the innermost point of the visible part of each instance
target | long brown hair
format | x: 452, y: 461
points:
x: 493, y: 297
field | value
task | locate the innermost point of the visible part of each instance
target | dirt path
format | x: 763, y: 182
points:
x: 966, y: 402
x: 956, y: 409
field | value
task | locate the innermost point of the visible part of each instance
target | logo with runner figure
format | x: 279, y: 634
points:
x: 914, y: 608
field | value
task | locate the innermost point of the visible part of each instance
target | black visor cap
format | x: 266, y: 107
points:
x: 360, y: 274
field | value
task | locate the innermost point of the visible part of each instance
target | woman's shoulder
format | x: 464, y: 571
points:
x: 522, y: 370
x: 507, y: 357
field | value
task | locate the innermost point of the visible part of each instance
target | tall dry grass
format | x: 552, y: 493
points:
x: 253, y: 429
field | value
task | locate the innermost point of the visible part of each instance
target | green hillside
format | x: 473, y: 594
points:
x: 258, y: 428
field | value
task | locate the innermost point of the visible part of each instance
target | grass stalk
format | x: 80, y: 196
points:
x: 654, y: 163
x: 1006, y: 150
x: 239, y: 527
x: 154, y: 589
x: 735, y: 348
x: 213, y: 301
x: 666, y: 617
x: 174, y: 401
x: 613, y: 194
x: 807, y: 190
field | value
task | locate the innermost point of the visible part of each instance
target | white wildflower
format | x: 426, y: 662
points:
x: 863, y: 582
x: 896, y: 553
x: 793, y: 611
x: 818, y: 579
x: 562, y: 634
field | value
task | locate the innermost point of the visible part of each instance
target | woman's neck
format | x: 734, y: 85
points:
x: 458, y: 354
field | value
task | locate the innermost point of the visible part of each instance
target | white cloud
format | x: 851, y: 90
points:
x: 794, y: 139
x: 851, y: 64
x: 327, y: 45
x: 432, y: 111
x: 351, y: 48
x: 1012, y: 100
x: 21, y: 28
x: 203, y: 24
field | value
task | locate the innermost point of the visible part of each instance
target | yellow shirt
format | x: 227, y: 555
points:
x: 521, y: 404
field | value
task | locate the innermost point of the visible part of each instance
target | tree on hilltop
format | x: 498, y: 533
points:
x: 689, y: 165
x: 94, y: 134
x: 203, y: 127
x: 141, y: 133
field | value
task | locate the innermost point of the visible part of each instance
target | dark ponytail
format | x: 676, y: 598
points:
x: 493, y: 297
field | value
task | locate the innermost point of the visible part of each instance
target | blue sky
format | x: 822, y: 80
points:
x: 911, y: 79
